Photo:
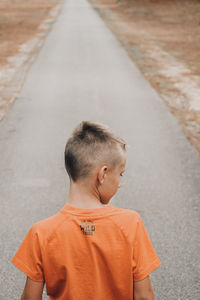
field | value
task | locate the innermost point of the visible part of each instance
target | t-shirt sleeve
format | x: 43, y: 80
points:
x: 28, y: 257
x: 145, y: 260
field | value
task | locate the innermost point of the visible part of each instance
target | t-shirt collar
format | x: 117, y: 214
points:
x: 89, y: 211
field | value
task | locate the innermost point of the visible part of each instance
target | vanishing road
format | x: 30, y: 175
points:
x: 82, y: 73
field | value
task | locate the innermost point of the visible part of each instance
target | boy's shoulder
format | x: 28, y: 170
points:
x: 127, y: 213
x: 46, y: 227
x: 127, y: 221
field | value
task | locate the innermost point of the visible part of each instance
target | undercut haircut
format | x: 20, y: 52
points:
x: 91, y: 144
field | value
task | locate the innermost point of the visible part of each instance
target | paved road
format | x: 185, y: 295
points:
x: 83, y: 73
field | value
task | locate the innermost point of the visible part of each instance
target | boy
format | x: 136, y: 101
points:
x: 89, y: 249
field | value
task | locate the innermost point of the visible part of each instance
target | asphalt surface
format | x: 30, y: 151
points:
x: 82, y: 73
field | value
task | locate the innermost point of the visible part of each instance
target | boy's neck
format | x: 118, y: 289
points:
x: 83, y: 196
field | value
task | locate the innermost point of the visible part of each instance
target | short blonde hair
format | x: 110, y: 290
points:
x: 89, y: 145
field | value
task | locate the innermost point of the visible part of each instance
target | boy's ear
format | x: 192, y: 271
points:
x: 102, y: 174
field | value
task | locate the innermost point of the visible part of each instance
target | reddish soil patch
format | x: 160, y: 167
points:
x: 19, y: 21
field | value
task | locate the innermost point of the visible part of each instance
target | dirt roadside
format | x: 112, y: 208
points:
x: 23, y: 28
x: 163, y: 39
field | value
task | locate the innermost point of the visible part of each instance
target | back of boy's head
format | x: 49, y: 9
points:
x: 90, y: 145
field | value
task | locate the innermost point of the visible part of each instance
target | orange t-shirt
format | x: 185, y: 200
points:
x: 88, y: 253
